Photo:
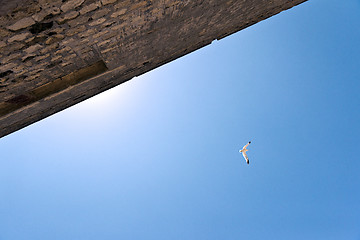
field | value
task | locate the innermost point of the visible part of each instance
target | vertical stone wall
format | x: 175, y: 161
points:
x: 55, y: 53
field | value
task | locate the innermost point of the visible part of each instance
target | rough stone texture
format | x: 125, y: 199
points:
x: 18, y: 37
x: 52, y: 59
x: 67, y: 16
x: 52, y: 11
x: 23, y: 23
x: 105, y: 2
x: 32, y: 48
x: 2, y: 44
x: 71, y: 4
x: 90, y: 7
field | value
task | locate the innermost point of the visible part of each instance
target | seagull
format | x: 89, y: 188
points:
x: 244, y: 150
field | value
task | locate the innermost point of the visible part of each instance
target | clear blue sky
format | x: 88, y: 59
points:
x: 157, y: 157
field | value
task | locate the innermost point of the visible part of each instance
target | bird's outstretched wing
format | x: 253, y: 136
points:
x: 246, y: 157
x: 246, y: 145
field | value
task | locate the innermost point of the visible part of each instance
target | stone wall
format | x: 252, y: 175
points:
x: 55, y: 53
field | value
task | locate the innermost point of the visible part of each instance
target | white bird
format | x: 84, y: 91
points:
x: 244, y: 150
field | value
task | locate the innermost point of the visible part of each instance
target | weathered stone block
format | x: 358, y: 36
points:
x: 18, y: 37
x: 63, y: 50
x: 138, y: 5
x: 19, y: 71
x: 32, y: 48
x: 49, y: 48
x: 70, y: 57
x: 7, y: 67
x: 32, y: 77
x: 42, y: 57
x: 84, y: 41
x: 66, y: 64
x: 118, y: 13
x: 99, y: 34
x: 90, y: 7
x: 14, y: 47
x: 67, y: 17
x: 122, y: 4
x: 104, y: 43
x: 68, y: 41
x: 28, y: 57
x: 97, y: 22
x: 4, y: 33
x: 118, y: 27
x: 38, y: 17
x: 108, y: 23
x: 54, y: 59
x: 87, y: 33
x: 2, y: 44
x: 23, y: 23
x: 55, y: 38
x: 78, y: 21
x: 48, y: 3
x: 11, y: 57
x: 100, y: 13
x: 105, y: 2
x: 110, y: 35
x: 71, y: 5
x: 75, y: 30
x: 58, y: 30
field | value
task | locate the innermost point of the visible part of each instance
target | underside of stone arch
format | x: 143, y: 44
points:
x: 54, y: 54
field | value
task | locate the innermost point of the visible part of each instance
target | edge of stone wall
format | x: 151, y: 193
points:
x: 72, y: 95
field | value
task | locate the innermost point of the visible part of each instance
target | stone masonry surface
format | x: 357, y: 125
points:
x: 56, y: 53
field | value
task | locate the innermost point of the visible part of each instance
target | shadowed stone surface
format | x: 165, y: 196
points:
x: 54, y: 54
